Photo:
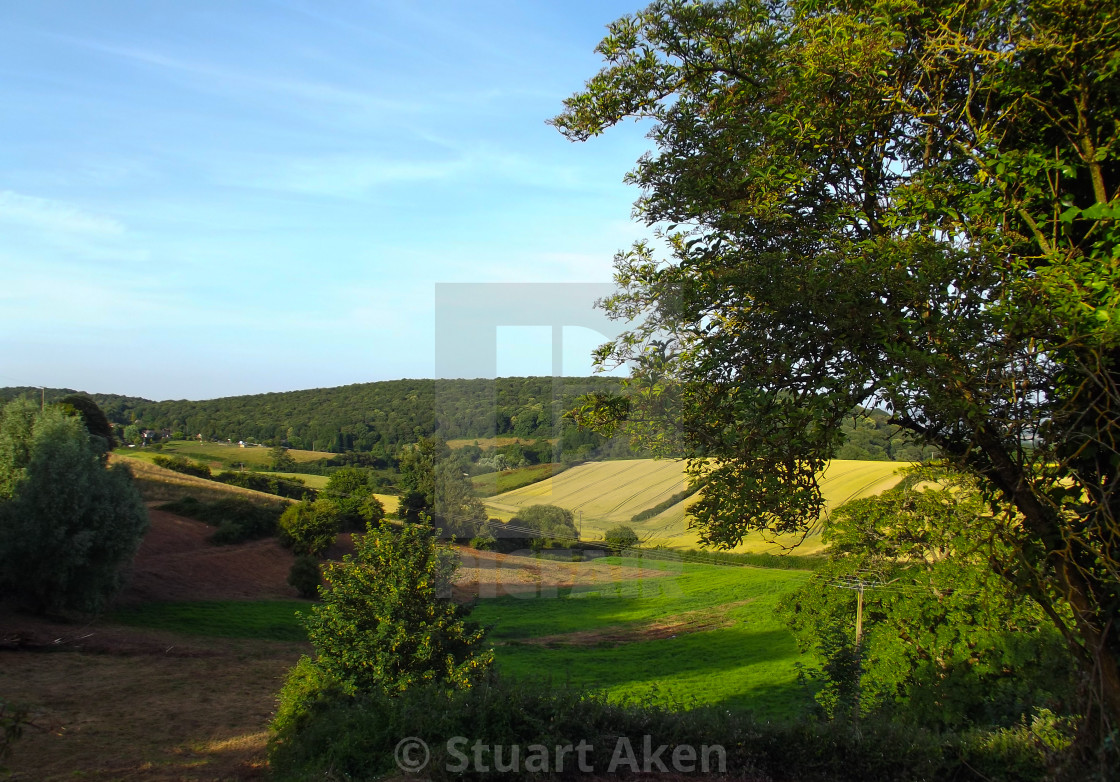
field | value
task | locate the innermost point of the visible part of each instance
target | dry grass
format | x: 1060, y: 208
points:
x: 146, y: 716
x: 158, y: 484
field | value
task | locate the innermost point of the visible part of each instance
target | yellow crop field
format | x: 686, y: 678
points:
x: 604, y: 494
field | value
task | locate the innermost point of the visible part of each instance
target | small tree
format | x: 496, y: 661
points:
x: 621, y: 538
x: 309, y: 528
x: 351, y: 490
x: 385, y: 622
x: 68, y: 524
x: 280, y: 460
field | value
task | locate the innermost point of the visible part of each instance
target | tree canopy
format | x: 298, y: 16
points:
x: 68, y: 524
x: 909, y: 206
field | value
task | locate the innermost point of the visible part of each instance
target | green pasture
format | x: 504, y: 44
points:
x: 226, y: 454
x: 744, y: 658
x: 730, y: 649
x: 272, y: 620
x: 492, y: 483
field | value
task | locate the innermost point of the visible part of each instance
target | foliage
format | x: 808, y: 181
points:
x: 386, y: 622
x: 68, y: 524
x: 237, y: 519
x: 280, y: 460
x: 310, y: 528
x: 13, y: 720
x: 890, y: 204
x: 355, y: 738
x: 93, y: 418
x: 352, y: 489
x: 183, y: 465
x: 292, y: 488
x: 306, y: 575
x: 434, y: 486
x: 944, y: 639
x: 621, y: 538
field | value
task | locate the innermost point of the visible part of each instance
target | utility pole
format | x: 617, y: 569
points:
x: 42, y: 398
x: 858, y: 584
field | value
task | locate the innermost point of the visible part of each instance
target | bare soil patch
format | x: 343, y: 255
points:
x: 175, y: 562
x: 486, y: 574
x: 667, y: 627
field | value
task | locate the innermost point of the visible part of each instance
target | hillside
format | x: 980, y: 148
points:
x: 379, y: 418
x: 604, y: 494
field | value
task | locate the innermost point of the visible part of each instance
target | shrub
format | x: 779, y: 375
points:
x: 305, y: 576
x: 182, y: 465
x: 237, y: 519
x: 309, y: 528
x: 385, y: 623
x: 620, y: 538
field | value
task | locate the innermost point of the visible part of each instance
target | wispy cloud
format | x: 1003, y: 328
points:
x: 347, y: 176
x: 54, y: 216
x: 226, y: 79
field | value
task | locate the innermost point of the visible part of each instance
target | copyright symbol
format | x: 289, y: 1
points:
x: 411, y: 755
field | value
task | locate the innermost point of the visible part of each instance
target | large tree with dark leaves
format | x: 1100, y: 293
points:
x: 884, y: 203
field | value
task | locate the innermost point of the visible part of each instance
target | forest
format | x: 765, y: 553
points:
x: 380, y: 418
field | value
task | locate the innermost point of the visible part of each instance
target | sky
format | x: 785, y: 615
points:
x: 211, y: 198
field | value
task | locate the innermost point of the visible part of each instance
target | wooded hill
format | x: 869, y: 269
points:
x: 381, y: 417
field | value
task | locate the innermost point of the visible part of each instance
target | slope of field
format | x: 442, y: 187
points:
x: 158, y: 484
x: 220, y: 454
x: 604, y: 494
x: 675, y: 633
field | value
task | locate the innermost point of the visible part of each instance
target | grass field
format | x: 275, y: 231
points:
x: 699, y: 634
x: 500, y: 482
x: 222, y: 454
x: 686, y: 634
x: 610, y: 493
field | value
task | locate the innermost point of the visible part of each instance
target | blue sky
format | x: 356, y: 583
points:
x: 213, y: 198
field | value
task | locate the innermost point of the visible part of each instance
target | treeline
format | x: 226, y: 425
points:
x: 380, y: 418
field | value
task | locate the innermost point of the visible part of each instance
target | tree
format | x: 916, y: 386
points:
x: 280, y: 460
x: 386, y: 621
x: 896, y: 205
x: 620, y: 538
x: 351, y: 489
x: 93, y: 418
x: 68, y: 524
x: 309, y: 528
x: 944, y: 640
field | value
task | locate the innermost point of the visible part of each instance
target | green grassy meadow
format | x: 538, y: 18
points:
x: 685, y: 635
x: 491, y: 483
x: 695, y: 634
x: 220, y: 454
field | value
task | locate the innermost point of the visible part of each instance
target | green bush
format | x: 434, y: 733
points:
x: 320, y: 732
x: 237, y: 520
x: 183, y: 465
x: 387, y: 622
x: 306, y: 576
x: 620, y: 538
x: 309, y: 528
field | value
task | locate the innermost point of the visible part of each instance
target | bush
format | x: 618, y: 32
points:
x: 237, y: 519
x: 309, y: 528
x: 305, y: 576
x: 182, y: 465
x: 320, y: 732
x: 620, y: 538
x: 292, y: 488
x: 385, y: 622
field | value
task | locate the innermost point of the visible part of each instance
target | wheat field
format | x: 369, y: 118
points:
x: 604, y: 494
